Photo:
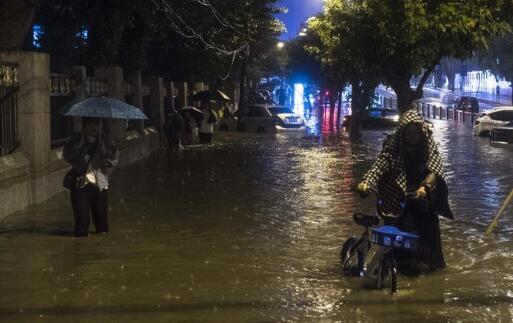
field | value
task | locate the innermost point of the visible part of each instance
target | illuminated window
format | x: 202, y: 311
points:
x: 37, y: 33
x: 82, y: 37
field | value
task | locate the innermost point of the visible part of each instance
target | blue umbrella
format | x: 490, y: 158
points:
x: 102, y: 107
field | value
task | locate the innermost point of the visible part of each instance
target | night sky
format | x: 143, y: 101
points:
x: 299, y: 11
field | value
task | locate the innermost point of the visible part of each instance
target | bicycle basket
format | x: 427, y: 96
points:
x: 392, y: 237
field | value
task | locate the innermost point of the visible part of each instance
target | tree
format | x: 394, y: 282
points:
x: 345, y: 51
x: 411, y: 37
x: 16, y: 18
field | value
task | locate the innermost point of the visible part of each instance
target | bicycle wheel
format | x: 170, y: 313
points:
x: 353, y: 256
x: 387, y: 274
x: 348, y: 255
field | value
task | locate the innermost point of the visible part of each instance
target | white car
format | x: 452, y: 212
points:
x: 269, y: 119
x: 496, y: 117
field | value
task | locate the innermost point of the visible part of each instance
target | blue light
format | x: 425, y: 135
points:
x: 299, y: 103
x: 37, y: 33
x: 82, y: 37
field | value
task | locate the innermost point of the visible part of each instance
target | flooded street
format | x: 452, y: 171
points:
x: 249, y: 230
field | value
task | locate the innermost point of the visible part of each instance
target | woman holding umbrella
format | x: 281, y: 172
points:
x: 192, y: 117
x: 92, y: 157
x: 206, y: 129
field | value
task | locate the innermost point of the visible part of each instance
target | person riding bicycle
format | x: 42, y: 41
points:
x: 410, y: 162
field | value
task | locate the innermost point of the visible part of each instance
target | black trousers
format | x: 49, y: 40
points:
x: 205, y: 138
x: 89, y: 200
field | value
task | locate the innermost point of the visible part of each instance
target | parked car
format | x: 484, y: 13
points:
x: 382, y: 118
x: 269, y: 119
x: 496, y: 117
x: 502, y: 134
x: 466, y: 103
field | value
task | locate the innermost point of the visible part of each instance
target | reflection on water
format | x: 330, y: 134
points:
x: 249, y: 229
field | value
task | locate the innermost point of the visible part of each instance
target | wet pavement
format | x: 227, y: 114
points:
x: 249, y: 229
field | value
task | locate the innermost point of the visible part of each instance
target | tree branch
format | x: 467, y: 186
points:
x: 428, y: 72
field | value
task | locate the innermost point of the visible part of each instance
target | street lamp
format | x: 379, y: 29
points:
x: 280, y: 45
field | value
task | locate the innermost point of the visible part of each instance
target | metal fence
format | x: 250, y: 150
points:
x: 9, y: 139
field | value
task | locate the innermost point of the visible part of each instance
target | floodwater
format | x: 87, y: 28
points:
x: 249, y: 229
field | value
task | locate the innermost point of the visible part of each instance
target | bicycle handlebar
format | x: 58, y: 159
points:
x: 379, y: 201
x: 365, y: 194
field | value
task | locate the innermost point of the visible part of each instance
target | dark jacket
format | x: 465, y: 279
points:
x: 174, y: 126
x: 104, y: 156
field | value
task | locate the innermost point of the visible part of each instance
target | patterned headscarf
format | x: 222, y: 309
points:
x: 388, y: 174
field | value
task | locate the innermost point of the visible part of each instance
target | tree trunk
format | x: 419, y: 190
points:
x: 16, y: 18
x: 242, y: 96
x: 356, y: 110
x: 339, y: 108
x: 362, y: 93
x: 406, y: 95
x: 332, y: 99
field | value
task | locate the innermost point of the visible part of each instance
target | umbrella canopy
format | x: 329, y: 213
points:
x: 102, y: 107
x: 210, y: 95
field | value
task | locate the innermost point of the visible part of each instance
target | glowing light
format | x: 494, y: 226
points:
x: 299, y: 103
x: 37, y: 33
x: 280, y: 45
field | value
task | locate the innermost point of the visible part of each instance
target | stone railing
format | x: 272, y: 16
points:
x: 432, y: 111
x: 8, y: 74
x: 61, y: 85
x: 96, y: 87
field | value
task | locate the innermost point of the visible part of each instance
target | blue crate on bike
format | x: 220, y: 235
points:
x: 392, y: 237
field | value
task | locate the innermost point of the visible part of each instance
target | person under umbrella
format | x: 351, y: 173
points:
x: 92, y: 156
x: 174, y: 128
x: 206, y: 129
x: 192, y: 118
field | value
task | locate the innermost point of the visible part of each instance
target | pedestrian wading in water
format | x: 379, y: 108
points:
x: 410, y: 162
x: 92, y: 156
x: 206, y: 130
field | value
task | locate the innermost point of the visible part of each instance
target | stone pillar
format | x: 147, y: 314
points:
x: 198, y: 87
x: 33, y: 106
x: 79, y: 75
x: 135, y: 80
x: 116, y: 89
x: 157, y: 103
x: 171, y: 93
x: 183, y: 92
